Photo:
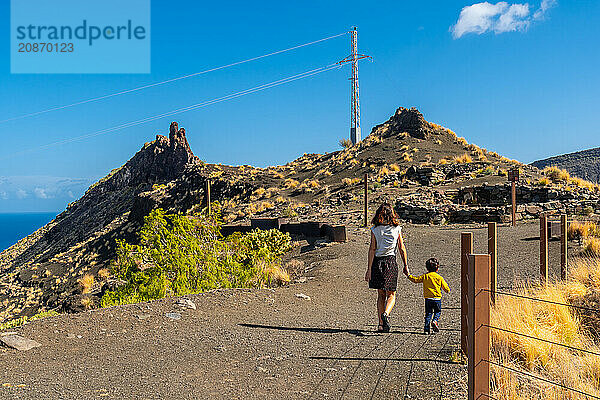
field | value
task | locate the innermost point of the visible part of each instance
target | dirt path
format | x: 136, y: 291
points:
x: 269, y: 343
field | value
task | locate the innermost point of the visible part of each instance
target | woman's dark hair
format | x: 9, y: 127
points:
x: 432, y: 265
x: 385, y: 215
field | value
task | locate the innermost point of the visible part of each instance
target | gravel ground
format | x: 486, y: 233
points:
x: 271, y: 343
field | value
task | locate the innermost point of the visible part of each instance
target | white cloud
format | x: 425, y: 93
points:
x: 21, y: 194
x: 40, y: 193
x: 501, y: 17
x: 545, y: 6
x: 513, y: 19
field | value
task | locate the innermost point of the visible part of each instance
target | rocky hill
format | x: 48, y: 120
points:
x: 430, y: 174
x: 584, y: 164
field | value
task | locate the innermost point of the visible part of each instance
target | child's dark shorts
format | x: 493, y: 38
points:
x: 384, y: 273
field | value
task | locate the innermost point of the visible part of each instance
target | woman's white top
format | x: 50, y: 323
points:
x: 387, y: 239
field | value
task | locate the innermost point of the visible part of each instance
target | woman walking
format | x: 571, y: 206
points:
x: 382, y: 272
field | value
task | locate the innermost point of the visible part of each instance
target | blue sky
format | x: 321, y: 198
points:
x: 515, y: 77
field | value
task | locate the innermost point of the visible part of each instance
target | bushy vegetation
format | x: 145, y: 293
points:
x: 551, y: 322
x: 561, y: 176
x: 24, y: 319
x: 345, y: 143
x: 180, y: 254
x: 582, y: 230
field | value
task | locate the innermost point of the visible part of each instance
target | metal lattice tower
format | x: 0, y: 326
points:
x: 355, y: 135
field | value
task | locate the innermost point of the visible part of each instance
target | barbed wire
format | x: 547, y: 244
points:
x: 542, y: 340
x: 540, y: 378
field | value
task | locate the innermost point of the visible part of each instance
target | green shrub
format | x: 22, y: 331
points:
x: 24, y: 319
x: 180, y: 254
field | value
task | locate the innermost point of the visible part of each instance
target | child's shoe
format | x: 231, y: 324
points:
x: 435, y: 326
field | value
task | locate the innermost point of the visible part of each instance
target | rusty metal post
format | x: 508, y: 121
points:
x: 493, y: 252
x: 479, y: 333
x: 514, y: 202
x: 543, y: 248
x: 564, y: 245
x: 466, y: 248
x: 366, y: 184
x: 208, y: 196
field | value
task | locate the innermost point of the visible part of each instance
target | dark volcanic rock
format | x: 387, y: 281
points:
x: 83, y: 237
x: 583, y: 164
x: 406, y: 120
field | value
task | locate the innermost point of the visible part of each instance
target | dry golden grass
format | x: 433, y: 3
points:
x: 443, y: 161
x: 87, y: 303
x: 582, y: 183
x: 543, y: 182
x: 313, y: 184
x: 579, y: 230
x: 349, y: 182
x: 591, y: 246
x: 104, y: 274
x: 556, y: 174
x: 86, y: 282
x: 394, y: 167
x: 290, y: 183
x: 464, y: 159
x: 404, y: 147
x: 279, y: 200
x: 461, y: 140
x: 438, y: 142
x: 383, y: 171
x: 406, y: 157
x: 272, y: 273
x: 551, y: 322
x: 270, y: 192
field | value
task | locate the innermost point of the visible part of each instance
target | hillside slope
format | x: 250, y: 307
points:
x: 584, y: 164
x: 424, y: 169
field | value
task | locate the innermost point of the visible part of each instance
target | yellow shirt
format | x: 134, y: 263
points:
x: 433, y: 283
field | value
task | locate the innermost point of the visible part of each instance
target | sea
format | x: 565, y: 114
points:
x: 14, y: 227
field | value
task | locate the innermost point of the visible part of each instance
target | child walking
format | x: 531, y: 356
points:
x: 433, y: 283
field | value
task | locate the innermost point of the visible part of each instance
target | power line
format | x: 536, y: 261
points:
x: 93, y: 99
x: 185, y: 109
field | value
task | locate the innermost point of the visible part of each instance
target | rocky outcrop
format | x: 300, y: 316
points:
x: 44, y: 267
x: 491, y: 203
x: 409, y: 120
x: 583, y: 164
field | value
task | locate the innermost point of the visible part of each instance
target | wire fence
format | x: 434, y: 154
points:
x: 530, y: 375
x: 480, y: 276
x: 542, y: 300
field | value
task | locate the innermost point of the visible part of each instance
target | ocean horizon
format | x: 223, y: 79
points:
x: 15, y: 226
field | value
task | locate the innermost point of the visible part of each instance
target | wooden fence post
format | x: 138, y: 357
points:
x: 366, y: 184
x: 514, y: 202
x: 466, y: 248
x: 208, y: 196
x: 479, y: 334
x: 493, y: 252
x: 564, y: 245
x: 543, y: 248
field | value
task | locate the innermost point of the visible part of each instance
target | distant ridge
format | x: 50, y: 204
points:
x: 584, y: 164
